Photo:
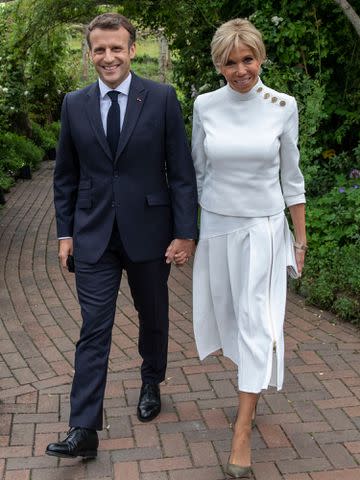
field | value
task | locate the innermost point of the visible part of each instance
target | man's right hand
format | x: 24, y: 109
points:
x: 65, y: 249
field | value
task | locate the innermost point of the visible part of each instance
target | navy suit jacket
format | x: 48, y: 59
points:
x: 150, y: 187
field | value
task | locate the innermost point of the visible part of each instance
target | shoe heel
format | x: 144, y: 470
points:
x: 88, y: 454
x: 236, y: 471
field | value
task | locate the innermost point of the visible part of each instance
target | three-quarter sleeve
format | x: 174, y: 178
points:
x: 292, y: 180
x: 197, y: 148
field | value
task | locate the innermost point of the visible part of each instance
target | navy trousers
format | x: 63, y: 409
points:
x: 97, y: 288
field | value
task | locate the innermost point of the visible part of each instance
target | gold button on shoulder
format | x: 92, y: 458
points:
x: 274, y: 99
x: 259, y: 90
x: 282, y: 103
x: 266, y: 96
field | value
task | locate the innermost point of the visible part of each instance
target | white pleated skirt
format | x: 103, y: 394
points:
x: 239, y: 294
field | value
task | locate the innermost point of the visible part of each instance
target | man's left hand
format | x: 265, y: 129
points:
x: 179, y: 251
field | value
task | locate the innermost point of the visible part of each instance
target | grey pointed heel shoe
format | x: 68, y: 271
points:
x: 236, y: 471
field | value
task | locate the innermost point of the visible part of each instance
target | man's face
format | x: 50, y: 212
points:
x: 111, y: 54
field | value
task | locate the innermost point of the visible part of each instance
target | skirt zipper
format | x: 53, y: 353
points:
x: 269, y: 290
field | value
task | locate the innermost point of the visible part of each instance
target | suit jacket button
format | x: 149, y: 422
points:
x: 113, y: 204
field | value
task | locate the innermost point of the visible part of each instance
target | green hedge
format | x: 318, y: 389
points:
x: 331, y: 278
x: 45, y: 137
x: 16, y: 152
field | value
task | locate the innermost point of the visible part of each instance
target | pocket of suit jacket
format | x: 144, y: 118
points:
x: 84, y: 194
x: 158, y: 199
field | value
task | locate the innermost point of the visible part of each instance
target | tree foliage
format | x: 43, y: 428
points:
x: 350, y: 13
x: 34, y: 51
x: 303, y: 39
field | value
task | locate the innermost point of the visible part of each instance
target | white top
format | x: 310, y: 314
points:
x: 105, y: 101
x: 243, y: 145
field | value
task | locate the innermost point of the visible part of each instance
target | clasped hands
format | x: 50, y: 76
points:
x: 179, y: 251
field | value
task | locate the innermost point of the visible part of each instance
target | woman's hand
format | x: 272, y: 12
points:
x: 181, y: 258
x: 297, y: 213
x: 300, y: 259
x: 179, y: 251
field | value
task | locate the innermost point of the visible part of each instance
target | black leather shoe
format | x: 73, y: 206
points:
x: 149, y: 405
x: 80, y: 442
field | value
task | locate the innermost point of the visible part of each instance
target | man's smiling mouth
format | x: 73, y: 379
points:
x: 110, y: 68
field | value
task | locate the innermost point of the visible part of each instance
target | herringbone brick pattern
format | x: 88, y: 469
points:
x: 309, y: 431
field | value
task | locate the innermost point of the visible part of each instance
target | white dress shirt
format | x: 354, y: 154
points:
x: 105, y: 101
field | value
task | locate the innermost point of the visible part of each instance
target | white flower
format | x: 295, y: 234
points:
x: 26, y: 93
x: 46, y: 95
x: 194, y: 92
x: 5, y: 89
x: 58, y: 91
x: 276, y: 20
x: 12, y: 108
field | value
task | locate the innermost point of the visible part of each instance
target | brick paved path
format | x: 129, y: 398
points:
x: 309, y: 431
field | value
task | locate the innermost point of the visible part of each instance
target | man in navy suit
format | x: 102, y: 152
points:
x: 125, y: 199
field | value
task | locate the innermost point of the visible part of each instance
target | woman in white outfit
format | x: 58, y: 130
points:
x: 246, y: 159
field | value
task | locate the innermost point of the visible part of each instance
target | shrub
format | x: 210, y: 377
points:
x: 25, y: 150
x: 331, y: 276
x: 16, y: 152
x: 334, y: 219
x: 6, y: 180
x: 332, y: 281
x: 145, y: 58
x: 43, y: 137
x: 10, y: 161
x: 347, y: 308
x: 54, y: 128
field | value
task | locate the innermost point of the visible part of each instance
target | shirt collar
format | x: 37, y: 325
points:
x: 123, y: 88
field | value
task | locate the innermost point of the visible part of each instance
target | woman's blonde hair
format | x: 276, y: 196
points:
x: 230, y: 34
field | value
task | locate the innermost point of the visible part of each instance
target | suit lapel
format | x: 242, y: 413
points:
x: 136, y: 100
x: 94, y: 115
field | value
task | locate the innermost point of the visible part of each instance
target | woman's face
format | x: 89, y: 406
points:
x: 241, y: 69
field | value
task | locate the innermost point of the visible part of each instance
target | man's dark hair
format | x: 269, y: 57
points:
x: 111, y: 21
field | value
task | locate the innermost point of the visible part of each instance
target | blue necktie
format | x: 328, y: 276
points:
x: 113, y: 122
